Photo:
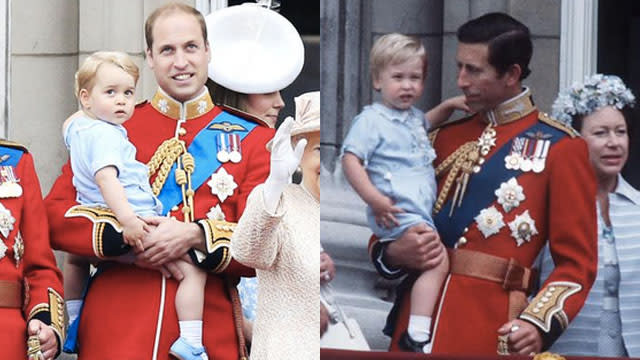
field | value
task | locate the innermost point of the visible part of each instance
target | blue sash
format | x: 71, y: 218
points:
x: 14, y: 156
x: 204, y: 151
x: 481, y: 187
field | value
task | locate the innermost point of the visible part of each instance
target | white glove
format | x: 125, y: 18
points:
x: 284, y: 162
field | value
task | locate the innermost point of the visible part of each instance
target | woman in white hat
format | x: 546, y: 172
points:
x: 265, y: 107
x: 279, y: 236
x: 255, y: 53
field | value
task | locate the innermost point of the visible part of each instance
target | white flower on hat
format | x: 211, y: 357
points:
x: 489, y: 221
x: 596, y: 91
x: 522, y: 228
x: 222, y: 184
x: 510, y: 194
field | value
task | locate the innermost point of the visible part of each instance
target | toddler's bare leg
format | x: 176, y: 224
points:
x: 76, y: 272
x: 190, y: 293
x: 426, y: 289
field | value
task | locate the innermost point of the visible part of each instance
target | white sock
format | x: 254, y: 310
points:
x: 419, y: 327
x: 73, y: 309
x: 191, y: 331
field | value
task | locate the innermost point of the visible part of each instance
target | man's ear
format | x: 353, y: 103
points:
x: 149, y: 58
x: 512, y: 75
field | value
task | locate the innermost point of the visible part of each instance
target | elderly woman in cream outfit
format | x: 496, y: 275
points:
x: 279, y: 236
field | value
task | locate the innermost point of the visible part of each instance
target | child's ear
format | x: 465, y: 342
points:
x: 83, y: 96
x: 376, y: 83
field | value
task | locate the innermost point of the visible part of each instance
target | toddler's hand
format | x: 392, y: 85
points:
x: 384, y: 211
x: 458, y: 103
x: 134, y: 231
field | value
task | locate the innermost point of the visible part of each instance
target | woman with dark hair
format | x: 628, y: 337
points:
x: 265, y: 107
x: 251, y: 86
x: 609, y: 322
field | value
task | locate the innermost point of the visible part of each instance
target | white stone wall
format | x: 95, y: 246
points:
x: 49, y: 38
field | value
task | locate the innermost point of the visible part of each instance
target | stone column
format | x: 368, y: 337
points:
x: 43, y: 59
x: 349, y: 29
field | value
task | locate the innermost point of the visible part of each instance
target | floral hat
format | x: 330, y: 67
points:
x: 596, y: 91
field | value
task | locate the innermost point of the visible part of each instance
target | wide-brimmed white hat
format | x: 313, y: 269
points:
x: 253, y: 50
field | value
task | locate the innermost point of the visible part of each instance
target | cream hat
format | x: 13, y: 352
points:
x: 307, y: 118
x: 307, y: 113
x: 253, y: 50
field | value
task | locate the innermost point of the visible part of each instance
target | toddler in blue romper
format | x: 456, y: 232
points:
x: 387, y: 158
x: 107, y: 174
x: 397, y: 156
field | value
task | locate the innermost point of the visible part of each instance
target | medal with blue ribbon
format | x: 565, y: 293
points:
x: 205, y: 155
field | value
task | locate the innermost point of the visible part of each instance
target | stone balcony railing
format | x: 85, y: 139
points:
x: 344, y: 235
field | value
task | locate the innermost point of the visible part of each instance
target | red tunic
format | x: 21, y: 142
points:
x: 125, y: 307
x: 27, y: 260
x: 559, y: 200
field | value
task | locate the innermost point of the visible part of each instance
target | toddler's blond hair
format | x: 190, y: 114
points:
x: 86, y: 74
x: 394, y: 48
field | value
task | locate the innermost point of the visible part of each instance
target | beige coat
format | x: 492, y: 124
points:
x: 285, y: 251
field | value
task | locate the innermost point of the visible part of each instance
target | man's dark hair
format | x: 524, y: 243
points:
x: 509, y: 40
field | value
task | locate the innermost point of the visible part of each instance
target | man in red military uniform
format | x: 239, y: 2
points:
x: 509, y: 179
x: 203, y: 163
x: 31, y: 284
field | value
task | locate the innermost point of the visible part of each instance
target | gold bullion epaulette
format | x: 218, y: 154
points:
x: 545, y: 118
x: 13, y: 145
x: 243, y: 114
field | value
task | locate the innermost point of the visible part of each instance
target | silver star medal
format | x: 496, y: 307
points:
x: 222, y: 184
x: 510, y: 194
x: 489, y: 221
x: 523, y: 228
x: 6, y: 221
x: 216, y: 213
x: 3, y: 249
x: 9, y: 187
